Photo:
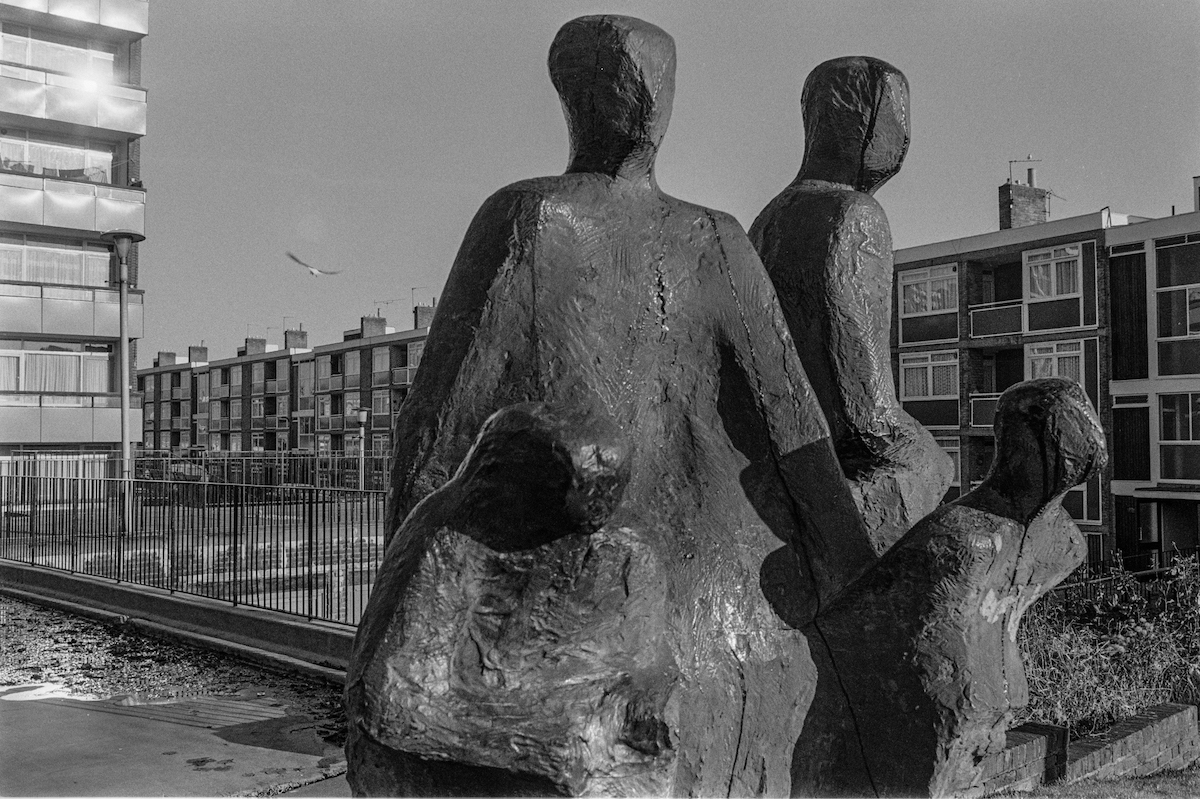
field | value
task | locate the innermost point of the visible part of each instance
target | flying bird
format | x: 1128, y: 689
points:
x: 312, y: 270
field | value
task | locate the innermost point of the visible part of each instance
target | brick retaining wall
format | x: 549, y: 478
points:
x: 1164, y: 737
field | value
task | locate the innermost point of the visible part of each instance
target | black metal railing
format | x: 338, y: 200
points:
x: 302, y: 550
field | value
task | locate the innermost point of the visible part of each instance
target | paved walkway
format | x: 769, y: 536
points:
x: 191, y: 746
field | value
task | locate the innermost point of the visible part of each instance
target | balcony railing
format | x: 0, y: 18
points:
x: 282, y: 386
x: 379, y: 379
x: 51, y: 399
x: 59, y: 310
x: 996, y: 318
x: 45, y: 94
x: 983, y: 409
x: 403, y: 375
x: 219, y: 392
x: 30, y: 200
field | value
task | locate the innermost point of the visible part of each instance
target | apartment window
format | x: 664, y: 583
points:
x: 256, y: 408
x: 233, y: 442
x: 352, y: 403
x: 256, y: 442
x: 929, y: 291
x: 56, y: 156
x: 379, y: 444
x: 1179, y: 312
x: 257, y: 375
x: 324, y: 405
x: 235, y: 379
x: 380, y: 360
x: 281, y: 406
x: 950, y: 445
x: 69, y: 263
x: 235, y: 409
x: 381, y: 403
x: 1179, y: 424
x: 1053, y: 273
x: 72, y: 55
x: 148, y: 412
x: 324, y: 444
x: 415, y: 351
x: 929, y: 375
x: 41, y: 367
x: 216, y: 410
x: 1056, y: 359
x: 350, y: 363
x: 305, y: 379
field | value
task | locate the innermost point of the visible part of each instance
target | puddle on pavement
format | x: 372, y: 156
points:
x: 29, y: 692
x: 44, y: 690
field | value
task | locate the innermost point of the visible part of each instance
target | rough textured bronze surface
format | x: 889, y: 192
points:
x: 528, y: 632
x: 919, y: 668
x: 826, y: 244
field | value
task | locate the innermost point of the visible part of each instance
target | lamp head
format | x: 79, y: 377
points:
x: 122, y: 240
x: 362, y: 416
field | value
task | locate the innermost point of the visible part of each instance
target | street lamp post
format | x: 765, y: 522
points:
x: 122, y: 240
x: 362, y: 447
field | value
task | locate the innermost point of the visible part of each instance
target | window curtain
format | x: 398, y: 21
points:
x: 95, y: 374
x: 916, y: 382
x: 9, y: 370
x: 1039, y: 281
x: 1067, y: 275
x: 12, y: 264
x: 45, y: 372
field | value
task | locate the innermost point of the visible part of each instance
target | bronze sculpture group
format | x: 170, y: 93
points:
x: 659, y: 482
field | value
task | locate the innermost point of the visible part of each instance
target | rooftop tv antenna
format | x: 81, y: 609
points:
x: 1029, y: 159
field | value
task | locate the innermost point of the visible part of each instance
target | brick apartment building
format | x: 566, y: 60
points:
x: 294, y: 400
x: 72, y: 113
x: 1067, y: 298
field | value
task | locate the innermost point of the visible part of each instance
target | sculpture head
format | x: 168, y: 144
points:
x: 1048, y: 440
x: 536, y: 473
x: 856, y: 122
x: 615, y: 76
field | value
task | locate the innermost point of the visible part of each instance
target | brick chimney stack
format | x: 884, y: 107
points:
x: 164, y: 359
x: 295, y: 339
x: 1022, y: 205
x: 197, y: 354
x: 423, y: 314
x: 255, y: 346
x: 372, y: 326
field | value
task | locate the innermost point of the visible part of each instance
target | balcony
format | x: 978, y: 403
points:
x: 996, y: 318
x: 125, y: 15
x: 379, y: 379
x: 41, y: 94
x: 983, y: 409
x: 381, y: 421
x: 56, y: 310
x: 403, y: 376
x: 27, y: 418
x: 282, y: 386
x: 220, y: 392
x: 81, y: 206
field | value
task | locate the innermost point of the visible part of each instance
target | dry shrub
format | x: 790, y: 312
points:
x: 1091, y: 662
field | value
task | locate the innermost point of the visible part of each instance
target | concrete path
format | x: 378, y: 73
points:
x: 191, y: 746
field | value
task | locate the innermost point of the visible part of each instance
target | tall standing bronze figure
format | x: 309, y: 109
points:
x: 604, y: 594
x: 827, y: 245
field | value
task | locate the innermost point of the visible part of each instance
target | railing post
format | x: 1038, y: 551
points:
x: 312, y: 508
x: 238, y: 502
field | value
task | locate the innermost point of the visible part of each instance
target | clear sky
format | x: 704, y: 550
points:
x: 363, y: 134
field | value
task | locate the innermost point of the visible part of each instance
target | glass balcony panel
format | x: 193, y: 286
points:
x: 996, y: 319
x: 126, y: 15
x: 983, y: 409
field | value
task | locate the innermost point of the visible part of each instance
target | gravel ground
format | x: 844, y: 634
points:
x: 85, y: 658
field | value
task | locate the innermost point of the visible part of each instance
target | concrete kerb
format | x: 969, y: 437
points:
x: 264, y: 637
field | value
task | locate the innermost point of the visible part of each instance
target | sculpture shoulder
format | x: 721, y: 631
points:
x: 814, y: 210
